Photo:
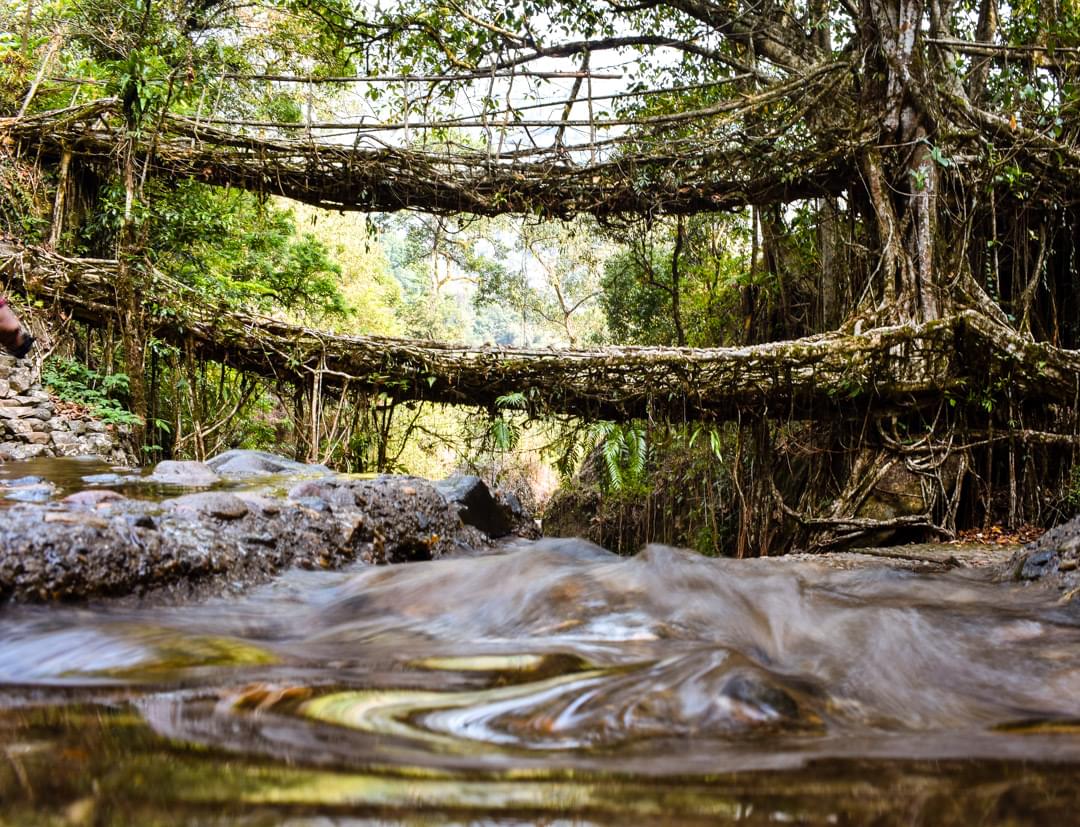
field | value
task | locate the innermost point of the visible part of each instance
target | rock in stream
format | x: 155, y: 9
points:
x: 99, y: 543
x: 1053, y: 558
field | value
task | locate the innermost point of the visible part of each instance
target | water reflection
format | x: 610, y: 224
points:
x: 555, y: 679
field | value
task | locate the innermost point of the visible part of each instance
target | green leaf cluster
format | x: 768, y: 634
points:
x: 102, y: 393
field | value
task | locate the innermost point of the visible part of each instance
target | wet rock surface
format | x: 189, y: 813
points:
x: 476, y: 505
x: 497, y: 513
x: 1053, y: 558
x: 100, y: 543
x: 247, y: 463
x: 185, y: 473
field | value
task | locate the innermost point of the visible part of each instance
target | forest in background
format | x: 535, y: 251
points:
x: 776, y: 267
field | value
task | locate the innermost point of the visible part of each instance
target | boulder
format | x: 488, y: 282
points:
x: 475, y: 504
x: 21, y: 450
x: 1055, y: 556
x: 183, y: 472
x: 98, y: 545
x: 246, y: 463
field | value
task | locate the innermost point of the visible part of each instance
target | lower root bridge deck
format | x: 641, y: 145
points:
x: 962, y: 357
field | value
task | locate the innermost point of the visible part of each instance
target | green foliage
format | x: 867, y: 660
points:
x: 505, y: 430
x: 74, y: 382
x: 365, y: 281
x: 637, y: 310
x: 551, y: 297
x: 714, y: 435
x: 15, y: 70
x: 623, y: 455
x: 646, y: 300
x: 230, y: 247
x: 670, y: 484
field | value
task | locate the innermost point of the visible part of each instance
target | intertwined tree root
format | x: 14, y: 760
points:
x: 964, y: 358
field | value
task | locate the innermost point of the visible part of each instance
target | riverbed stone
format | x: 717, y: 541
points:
x: 38, y: 493
x: 20, y: 481
x: 183, y: 472
x: 92, y: 498
x: 1054, y: 557
x: 20, y: 450
x: 206, y: 542
x: 219, y: 504
x: 265, y: 505
x: 103, y: 479
x: 248, y: 463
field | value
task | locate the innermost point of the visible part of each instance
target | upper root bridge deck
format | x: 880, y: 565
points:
x: 386, y: 178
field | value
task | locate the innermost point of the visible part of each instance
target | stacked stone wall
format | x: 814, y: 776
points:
x: 33, y: 424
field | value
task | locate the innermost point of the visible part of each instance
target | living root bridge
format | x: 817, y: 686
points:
x: 388, y: 178
x: 822, y: 377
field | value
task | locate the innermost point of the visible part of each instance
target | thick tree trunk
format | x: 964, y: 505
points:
x: 878, y: 483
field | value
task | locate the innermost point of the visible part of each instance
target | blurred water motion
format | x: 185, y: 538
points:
x: 553, y: 681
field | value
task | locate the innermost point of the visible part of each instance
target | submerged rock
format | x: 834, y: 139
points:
x: 92, y: 498
x: 21, y: 481
x: 104, y: 479
x: 36, y: 493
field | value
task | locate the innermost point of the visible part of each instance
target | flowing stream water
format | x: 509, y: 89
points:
x: 556, y: 683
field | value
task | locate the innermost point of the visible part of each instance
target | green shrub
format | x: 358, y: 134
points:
x: 74, y: 382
